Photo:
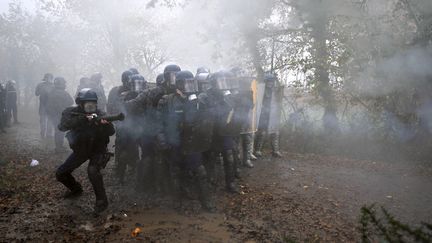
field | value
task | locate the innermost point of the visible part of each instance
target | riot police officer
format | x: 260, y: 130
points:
x: 146, y: 104
x: 11, y: 102
x: 88, y: 138
x: 126, y: 148
x: 142, y: 132
x: 42, y: 90
x: 58, y: 100
x: 185, y: 133
x: 225, y: 105
x: 270, y: 116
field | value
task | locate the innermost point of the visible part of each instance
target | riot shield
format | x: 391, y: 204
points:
x: 275, y: 109
x: 250, y: 89
x: 259, y: 88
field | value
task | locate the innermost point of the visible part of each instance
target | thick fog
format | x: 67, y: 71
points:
x: 367, y: 50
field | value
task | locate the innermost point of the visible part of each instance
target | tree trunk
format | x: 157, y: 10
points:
x: 321, y: 56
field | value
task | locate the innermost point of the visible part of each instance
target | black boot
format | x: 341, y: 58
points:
x: 230, y: 184
x: 259, y: 141
x: 74, y: 193
x: 274, y: 137
x: 247, y: 141
x: 96, y: 180
x: 204, y: 189
x: 75, y: 189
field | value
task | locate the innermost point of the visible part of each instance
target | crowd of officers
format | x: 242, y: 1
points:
x: 175, y: 132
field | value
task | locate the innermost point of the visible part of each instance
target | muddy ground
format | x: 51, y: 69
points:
x: 302, y: 197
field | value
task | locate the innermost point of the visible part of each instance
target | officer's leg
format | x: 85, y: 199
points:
x: 177, y: 176
x: 43, y: 124
x: 8, y: 116
x: 274, y: 139
x: 259, y: 141
x: 58, y: 137
x: 143, y: 175
x: 194, y: 164
x: 64, y: 174
x: 228, y: 159
x: 146, y: 167
x: 236, y: 155
x: 209, y: 162
x: 96, y: 179
x: 2, y: 123
x: 126, y: 154
x: 15, y: 113
x: 247, y: 141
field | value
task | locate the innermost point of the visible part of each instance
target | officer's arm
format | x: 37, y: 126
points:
x: 71, y: 121
x: 160, y: 113
x: 139, y: 104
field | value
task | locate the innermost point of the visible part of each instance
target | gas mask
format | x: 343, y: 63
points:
x: 90, y: 107
x: 188, y: 87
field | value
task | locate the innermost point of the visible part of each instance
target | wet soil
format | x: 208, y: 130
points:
x: 302, y: 197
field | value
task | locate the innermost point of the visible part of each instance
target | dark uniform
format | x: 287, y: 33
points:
x: 185, y: 133
x: 11, y: 102
x: 89, y: 141
x: 126, y: 147
x: 226, y: 129
x: 2, y: 108
x: 42, y: 90
x: 58, y: 100
x: 270, y: 116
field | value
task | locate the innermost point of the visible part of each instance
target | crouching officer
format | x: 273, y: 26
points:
x: 88, y: 137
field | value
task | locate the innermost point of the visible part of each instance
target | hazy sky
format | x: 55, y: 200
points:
x: 29, y: 4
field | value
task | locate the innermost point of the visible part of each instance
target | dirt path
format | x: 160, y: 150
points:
x: 303, y: 197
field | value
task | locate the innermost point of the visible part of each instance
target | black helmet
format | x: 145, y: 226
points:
x: 125, y: 77
x: 203, y: 81
x: 185, y: 82
x: 159, y: 79
x: 137, y: 83
x: 169, y: 74
x: 60, y: 83
x: 48, y: 77
x: 202, y: 70
x: 86, y: 95
x: 133, y: 70
x: 223, y: 80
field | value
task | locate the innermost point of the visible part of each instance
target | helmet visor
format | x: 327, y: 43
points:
x: 226, y: 83
x: 188, y: 86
